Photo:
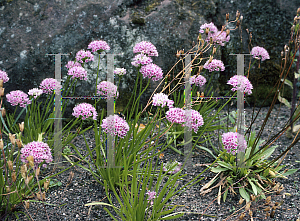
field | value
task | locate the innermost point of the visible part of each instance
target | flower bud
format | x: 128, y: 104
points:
x: 12, y: 138
x: 1, y: 83
x: 10, y: 165
x: 46, y: 184
x: 227, y: 17
x: 21, y: 126
x: 19, y: 143
x: 207, y: 31
x: 13, y: 176
x: 30, y: 160
x: 1, y: 91
x: 1, y: 144
x: 3, y: 112
x: 27, y: 204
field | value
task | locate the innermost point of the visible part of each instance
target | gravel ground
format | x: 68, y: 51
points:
x: 78, y: 186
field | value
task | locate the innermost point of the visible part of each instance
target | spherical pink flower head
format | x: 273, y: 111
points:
x: 219, y: 38
x: 98, y: 46
x: 212, y: 28
x: 120, y: 71
x: 84, y: 56
x: 107, y: 89
x: 152, y: 71
x: 162, y: 100
x: 214, y: 65
x: 72, y: 64
x: 115, y: 125
x: 48, y: 85
x: 35, y: 92
x: 40, y: 152
x: 18, y: 98
x: 234, y: 142
x: 141, y: 59
x: 151, y: 196
x: 145, y: 47
x: 260, y: 53
x: 176, y: 115
x: 170, y: 165
x: 3, y: 76
x: 240, y: 83
x: 78, y: 72
x: 193, y: 120
x: 85, y: 110
x: 198, y: 80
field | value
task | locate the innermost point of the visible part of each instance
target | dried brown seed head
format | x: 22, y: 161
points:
x: 237, y: 14
x: 1, y: 91
x: 252, y: 197
x: 267, y: 209
x: 298, y: 11
x: 19, y: 143
x: 13, y: 176
x: 207, y: 31
x: 1, y: 144
x: 10, y: 165
x: 238, y: 23
x: 23, y: 171
x: 7, y: 189
x: 242, y: 216
x: 3, y: 112
x: 30, y: 160
x: 46, y: 184
x: 247, y: 206
x: 227, y: 32
x: 12, y: 138
x: 241, y: 201
x: 214, y: 50
x: 21, y: 126
x: 27, y: 204
x: 227, y: 17
x: 37, y: 171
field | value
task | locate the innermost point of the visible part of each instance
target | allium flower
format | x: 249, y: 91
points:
x: 176, y: 115
x: 72, y: 64
x: 145, y: 47
x: 260, y: 53
x: 219, y: 38
x: 84, y: 56
x: 35, y: 92
x: 3, y: 76
x: 214, y: 65
x: 85, y: 110
x: 107, y: 89
x: 40, y: 152
x: 141, y: 59
x: 120, y: 71
x: 151, y: 196
x: 193, y: 120
x: 115, y: 125
x: 198, y: 80
x: 152, y: 71
x: 212, y: 28
x: 175, y: 165
x: 98, y: 46
x: 240, y: 83
x: 18, y: 98
x: 78, y: 72
x: 234, y: 142
x: 162, y: 100
x: 48, y: 85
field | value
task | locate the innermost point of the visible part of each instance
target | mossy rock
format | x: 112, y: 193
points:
x: 137, y: 18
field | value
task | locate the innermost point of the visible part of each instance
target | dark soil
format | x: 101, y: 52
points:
x: 73, y: 193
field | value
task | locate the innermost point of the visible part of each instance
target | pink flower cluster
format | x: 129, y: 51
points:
x: 48, y: 85
x: 162, y: 100
x: 107, y: 89
x: 40, y: 152
x: 260, y: 53
x: 152, y: 71
x: 151, y: 196
x: 84, y: 56
x: 145, y: 47
x: 234, y: 142
x: 170, y: 165
x: 218, y: 37
x: 141, y: 59
x: 214, y: 65
x: 18, y: 98
x: 240, y: 83
x: 176, y: 115
x: 72, y: 64
x: 3, y: 76
x: 193, y: 120
x: 78, y: 72
x: 212, y: 28
x: 85, y: 110
x: 35, y: 92
x: 198, y: 80
x: 120, y: 71
x: 115, y: 125
x: 98, y: 46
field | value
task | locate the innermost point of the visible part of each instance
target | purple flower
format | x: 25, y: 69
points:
x: 193, y: 120
x: 18, y: 98
x: 240, y: 83
x: 234, y: 142
x: 170, y: 165
x: 85, y: 110
x: 176, y: 115
x: 151, y: 196
x: 152, y: 71
x: 40, y: 152
x: 214, y: 65
x: 107, y: 89
x: 198, y: 80
x: 84, y: 56
x: 219, y: 38
x: 141, y: 59
x: 145, y: 47
x: 3, y: 76
x: 120, y: 71
x: 212, y: 28
x: 72, y: 64
x: 260, y: 53
x: 162, y: 100
x: 98, y: 46
x: 48, y: 85
x: 115, y: 125
x: 78, y: 72
x: 35, y: 92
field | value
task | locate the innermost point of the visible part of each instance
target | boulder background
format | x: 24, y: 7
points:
x: 30, y: 29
